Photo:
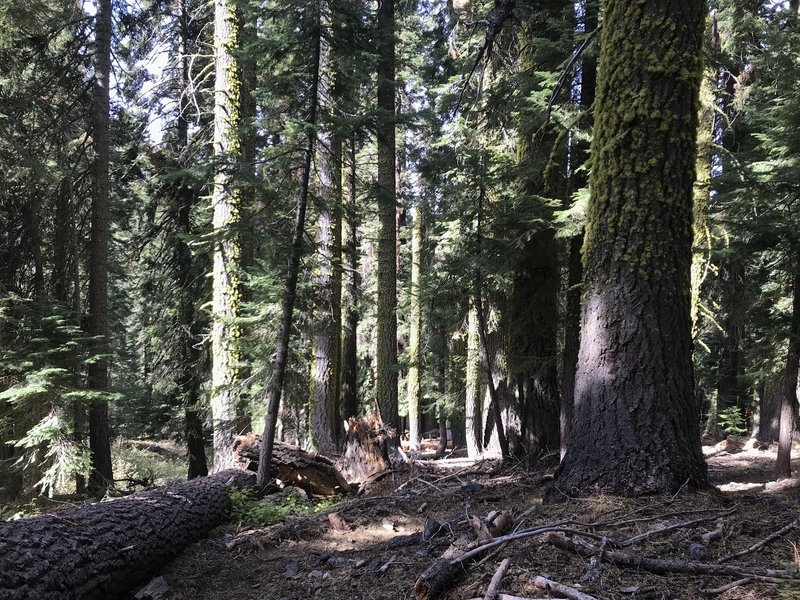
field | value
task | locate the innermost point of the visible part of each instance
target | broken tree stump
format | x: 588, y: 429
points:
x: 102, y: 550
x: 314, y: 473
x: 366, y: 450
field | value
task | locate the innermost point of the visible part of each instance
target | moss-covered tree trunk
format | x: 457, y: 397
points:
x: 635, y: 428
x: 783, y: 464
x: 386, y: 354
x: 414, y: 390
x: 328, y: 277
x: 226, y: 204
x: 98, y: 377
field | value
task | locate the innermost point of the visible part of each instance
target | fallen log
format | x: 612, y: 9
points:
x: 314, y: 473
x: 102, y: 550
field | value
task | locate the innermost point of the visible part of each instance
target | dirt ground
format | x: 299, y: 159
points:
x: 366, y: 558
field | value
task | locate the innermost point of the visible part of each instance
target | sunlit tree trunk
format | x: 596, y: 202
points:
x: 226, y: 203
x: 414, y: 391
x: 386, y: 358
x: 473, y: 409
x: 635, y: 428
x: 99, y: 429
x: 783, y: 464
x: 351, y: 289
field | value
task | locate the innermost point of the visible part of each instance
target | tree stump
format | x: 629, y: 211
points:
x: 312, y: 472
x: 102, y: 550
x: 366, y: 450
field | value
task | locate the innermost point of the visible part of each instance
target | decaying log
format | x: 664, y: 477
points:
x: 102, y: 550
x: 314, y: 473
x: 366, y: 449
x: 438, y: 577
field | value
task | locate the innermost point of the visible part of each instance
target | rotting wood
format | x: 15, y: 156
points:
x: 314, y: 473
x: 715, y: 534
x: 102, y: 550
x: 494, y: 585
x: 366, y: 448
x: 560, y: 588
x: 665, y: 566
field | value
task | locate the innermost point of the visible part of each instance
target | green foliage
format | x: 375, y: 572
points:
x: 730, y: 420
x: 250, y: 511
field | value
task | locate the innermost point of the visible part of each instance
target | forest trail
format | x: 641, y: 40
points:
x: 314, y: 558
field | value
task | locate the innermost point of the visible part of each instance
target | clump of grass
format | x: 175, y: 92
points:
x: 138, y: 465
x: 250, y: 511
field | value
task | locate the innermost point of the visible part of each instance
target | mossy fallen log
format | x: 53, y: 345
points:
x: 102, y: 550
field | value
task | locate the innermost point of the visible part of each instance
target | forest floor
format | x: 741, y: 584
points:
x: 368, y: 552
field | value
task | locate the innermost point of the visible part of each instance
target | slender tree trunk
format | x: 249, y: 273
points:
x: 578, y: 179
x: 783, y: 464
x: 328, y: 279
x: 386, y: 359
x: 275, y: 384
x: 98, y: 378
x: 635, y: 428
x: 189, y: 280
x: 226, y: 201
x: 414, y: 392
x: 473, y: 410
x: 350, y: 291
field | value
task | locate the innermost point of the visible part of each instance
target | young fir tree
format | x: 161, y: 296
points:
x: 635, y: 428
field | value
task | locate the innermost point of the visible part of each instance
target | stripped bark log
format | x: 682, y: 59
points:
x: 314, y: 473
x: 102, y: 550
x: 561, y: 589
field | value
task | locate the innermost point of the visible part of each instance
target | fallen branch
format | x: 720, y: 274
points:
x: 560, y: 588
x: 648, y: 534
x: 728, y: 586
x: 494, y: 585
x: 771, y: 537
x: 711, y: 536
x: 665, y: 566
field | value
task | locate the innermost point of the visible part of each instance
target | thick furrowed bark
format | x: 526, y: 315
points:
x: 102, y: 550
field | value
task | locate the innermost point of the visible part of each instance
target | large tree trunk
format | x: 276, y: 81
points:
x: 366, y: 448
x: 635, y: 429
x: 783, y: 464
x: 472, y: 402
x: 102, y: 550
x: 328, y: 277
x: 98, y: 380
x: 386, y: 358
x: 226, y: 202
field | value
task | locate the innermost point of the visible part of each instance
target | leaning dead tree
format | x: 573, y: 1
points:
x: 102, y: 550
